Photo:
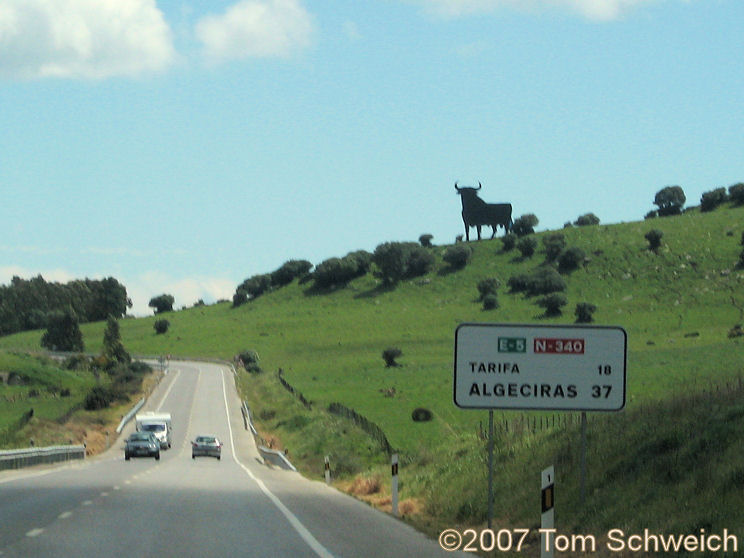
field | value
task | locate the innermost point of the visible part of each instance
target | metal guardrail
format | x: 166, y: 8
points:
x: 18, y: 458
x: 126, y: 418
x: 271, y: 455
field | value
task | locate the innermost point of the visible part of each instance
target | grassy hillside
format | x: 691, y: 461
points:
x: 677, y: 305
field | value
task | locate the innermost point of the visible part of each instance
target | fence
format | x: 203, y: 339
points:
x: 16, y: 459
x: 364, y: 423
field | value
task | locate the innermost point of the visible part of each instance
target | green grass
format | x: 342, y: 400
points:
x: 677, y: 305
x: 41, y: 390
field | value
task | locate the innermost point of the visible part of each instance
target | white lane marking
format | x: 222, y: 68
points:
x: 87, y: 503
x: 104, y: 494
x: 117, y: 488
x: 306, y: 535
x: 167, y: 391
x: 64, y: 515
x: 34, y: 532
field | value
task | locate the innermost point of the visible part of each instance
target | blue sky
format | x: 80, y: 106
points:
x: 184, y: 146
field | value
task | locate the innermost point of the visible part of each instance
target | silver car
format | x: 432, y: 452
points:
x: 206, y: 445
x: 142, y: 444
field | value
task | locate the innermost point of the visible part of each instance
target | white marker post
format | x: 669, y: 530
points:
x: 395, y: 484
x: 327, y: 470
x: 547, y: 520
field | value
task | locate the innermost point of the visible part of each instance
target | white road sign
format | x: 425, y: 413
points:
x: 512, y: 366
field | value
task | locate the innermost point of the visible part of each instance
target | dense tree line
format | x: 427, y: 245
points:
x: 31, y: 303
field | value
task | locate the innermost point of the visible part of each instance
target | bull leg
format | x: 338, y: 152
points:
x: 479, y: 229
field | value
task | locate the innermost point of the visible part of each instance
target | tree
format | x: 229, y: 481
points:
x: 553, y: 303
x: 63, y: 332
x: 113, y: 349
x: 525, y: 225
x: 389, y: 355
x: 425, y: 240
x: 654, y: 237
x: 162, y: 303
x: 586, y: 220
x: 584, y: 311
x: 526, y: 246
x: 390, y: 259
x: 289, y: 271
x: 711, y: 200
x: 670, y: 200
x: 571, y: 259
x: 736, y: 193
x: 554, y: 245
x: 457, y: 256
x: 161, y: 326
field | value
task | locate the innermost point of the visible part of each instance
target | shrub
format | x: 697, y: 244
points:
x: 525, y: 225
x: 544, y: 280
x: 736, y: 193
x: 255, y: 286
x: 518, y: 283
x: 552, y: 303
x: 389, y: 355
x: 554, y: 245
x: 289, y: 271
x: 711, y: 200
x: 586, y: 220
x: 490, y: 302
x: 670, y: 200
x: 571, y: 259
x: 161, y: 326
x: 419, y: 261
x: 509, y: 241
x: 425, y: 240
x: 487, y: 286
x: 584, y: 311
x: 526, y: 246
x: 100, y: 397
x: 390, y: 259
x: 740, y: 263
x: 239, y: 298
x: 420, y: 414
x: 457, y: 256
x: 250, y: 360
x: 651, y: 214
x: 654, y: 237
x: 334, y: 272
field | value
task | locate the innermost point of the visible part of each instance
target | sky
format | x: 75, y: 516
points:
x: 183, y: 146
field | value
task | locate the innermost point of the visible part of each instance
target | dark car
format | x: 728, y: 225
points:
x: 206, y: 445
x: 142, y: 444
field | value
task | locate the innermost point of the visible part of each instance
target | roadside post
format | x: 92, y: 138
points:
x: 327, y: 467
x: 539, y: 367
x: 394, y: 483
x: 547, y: 519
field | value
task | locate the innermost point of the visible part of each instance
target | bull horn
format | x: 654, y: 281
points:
x: 480, y: 185
x: 456, y: 188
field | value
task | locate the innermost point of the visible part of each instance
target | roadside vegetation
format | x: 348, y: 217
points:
x: 668, y: 462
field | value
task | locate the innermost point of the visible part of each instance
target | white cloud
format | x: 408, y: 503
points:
x: 82, y: 38
x: 256, y: 28
x: 596, y: 10
x: 186, y: 291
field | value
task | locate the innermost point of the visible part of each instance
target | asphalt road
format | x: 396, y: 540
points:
x: 106, y: 506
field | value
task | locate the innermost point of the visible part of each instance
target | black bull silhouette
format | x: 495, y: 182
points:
x: 476, y: 212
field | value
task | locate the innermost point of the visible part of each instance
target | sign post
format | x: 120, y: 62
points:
x: 566, y: 368
x: 547, y: 519
x: 539, y: 367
